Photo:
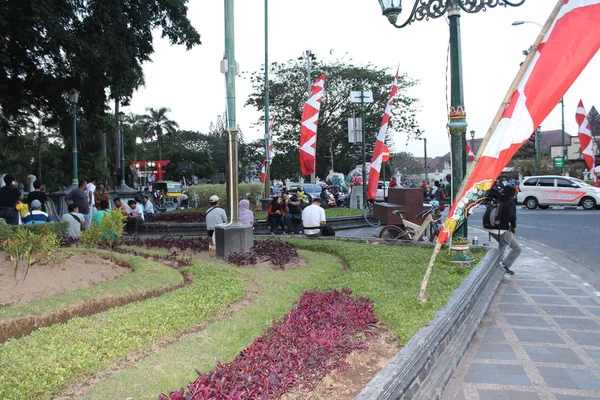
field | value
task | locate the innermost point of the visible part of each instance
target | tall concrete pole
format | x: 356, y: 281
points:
x: 267, y: 90
x: 232, y: 195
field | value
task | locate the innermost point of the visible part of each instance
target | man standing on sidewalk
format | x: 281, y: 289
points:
x: 507, y: 227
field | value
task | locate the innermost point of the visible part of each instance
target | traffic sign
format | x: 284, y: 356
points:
x: 559, y: 162
x: 361, y: 97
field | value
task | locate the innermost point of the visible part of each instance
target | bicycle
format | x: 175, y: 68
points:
x: 368, y: 214
x: 410, y: 230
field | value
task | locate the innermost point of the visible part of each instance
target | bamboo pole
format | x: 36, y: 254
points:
x: 491, y: 130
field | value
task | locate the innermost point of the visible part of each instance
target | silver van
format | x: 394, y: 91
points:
x: 547, y: 190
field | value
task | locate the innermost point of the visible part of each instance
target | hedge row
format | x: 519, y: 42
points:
x: 59, y: 228
x: 249, y: 191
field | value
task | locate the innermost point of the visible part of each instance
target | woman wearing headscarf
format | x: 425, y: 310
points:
x: 246, y: 214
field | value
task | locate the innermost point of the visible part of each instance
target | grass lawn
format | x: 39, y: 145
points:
x: 47, y: 361
x: 390, y: 275
x: 146, y: 276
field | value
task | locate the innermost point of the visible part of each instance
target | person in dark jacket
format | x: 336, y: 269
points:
x: 505, y: 234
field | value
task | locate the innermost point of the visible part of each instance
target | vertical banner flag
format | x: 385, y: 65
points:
x: 380, y: 146
x: 572, y: 38
x: 270, y: 140
x: 263, y: 171
x: 310, y: 121
x: 586, y: 141
x: 470, y: 154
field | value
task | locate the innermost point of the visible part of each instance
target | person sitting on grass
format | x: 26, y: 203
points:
x: 135, y: 217
x: 36, y: 215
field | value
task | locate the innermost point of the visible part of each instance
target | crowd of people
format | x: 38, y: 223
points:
x: 87, y: 204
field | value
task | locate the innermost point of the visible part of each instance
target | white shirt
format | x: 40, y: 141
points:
x: 312, y: 216
x: 74, y: 230
x: 137, y: 210
x: 149, y: 207
x: 91, y: 188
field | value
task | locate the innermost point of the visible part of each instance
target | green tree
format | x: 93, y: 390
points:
x: 157, y: 125
x: 287, y: 98
x: 406, y: 164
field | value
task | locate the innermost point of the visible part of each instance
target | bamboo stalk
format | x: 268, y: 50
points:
x: 425, y: 282
x: 491, y: 130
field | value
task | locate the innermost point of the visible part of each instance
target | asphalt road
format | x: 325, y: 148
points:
x: 569, y: 237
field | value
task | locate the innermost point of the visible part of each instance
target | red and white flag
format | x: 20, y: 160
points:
x: 586, y: 141
x: 470, y: 152
x: 263, y: 171
x: 310, y: 121
x: 571, y: 41
x: 270, y: 140
x: 380, y: 146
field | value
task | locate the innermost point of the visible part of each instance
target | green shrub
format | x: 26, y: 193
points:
x: 58, y: 228
x: 250, y: 191
x: 111, y: 230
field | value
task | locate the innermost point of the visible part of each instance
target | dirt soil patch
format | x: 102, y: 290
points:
x: 364, y: 365
x: 78, y: 271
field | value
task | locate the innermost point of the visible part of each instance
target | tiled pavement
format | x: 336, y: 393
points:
x: 539, y: 340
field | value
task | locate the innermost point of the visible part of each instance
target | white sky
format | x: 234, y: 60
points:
x: 192, y: 86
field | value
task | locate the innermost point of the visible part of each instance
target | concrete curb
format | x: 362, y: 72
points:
x: 423, y: 367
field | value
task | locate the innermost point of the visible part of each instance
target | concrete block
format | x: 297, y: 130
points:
x: 233, y: 239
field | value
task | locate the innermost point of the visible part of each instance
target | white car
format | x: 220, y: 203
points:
x: 547, y: 190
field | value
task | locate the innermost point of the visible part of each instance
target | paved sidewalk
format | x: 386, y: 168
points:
x: 540, y: 339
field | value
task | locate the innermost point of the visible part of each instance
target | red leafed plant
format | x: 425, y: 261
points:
x: 169, y: 242
x: 313, y: 339
x: 177, y: 217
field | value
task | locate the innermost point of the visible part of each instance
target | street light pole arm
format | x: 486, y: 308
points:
x: 428, y: 9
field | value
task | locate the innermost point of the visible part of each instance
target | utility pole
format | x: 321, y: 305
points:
x: 425, y: 159
x: 267, y: 121
x: 364, y: 154
x: 562, y: 127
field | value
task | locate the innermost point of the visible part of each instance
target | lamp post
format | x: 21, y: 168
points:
x: 137, y: 173
x: 121, y: 119
x: 151, y: 165
x: 425, y: 10
x: 472, y: 141
x: 73, y: 100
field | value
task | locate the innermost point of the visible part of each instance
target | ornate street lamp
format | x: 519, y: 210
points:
x: 425, y: 10
x: 121, y: 119
x: 472, y: 141
x: 73, y: 100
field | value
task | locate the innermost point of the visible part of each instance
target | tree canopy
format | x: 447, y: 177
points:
x: 288, y: 94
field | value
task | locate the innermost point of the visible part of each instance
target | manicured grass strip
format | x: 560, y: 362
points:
x: 147, y: 275
x: 312, y: 340
x: 391, y: 275
x: 224, y: 339
x: 47, y: 361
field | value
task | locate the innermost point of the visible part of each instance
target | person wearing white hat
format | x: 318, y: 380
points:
x: 36, y: 215
x: 214, y: 216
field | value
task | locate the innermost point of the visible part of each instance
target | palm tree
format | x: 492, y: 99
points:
x: 156, y: 123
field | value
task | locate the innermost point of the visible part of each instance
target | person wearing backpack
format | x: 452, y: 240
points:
x: 500, y: 220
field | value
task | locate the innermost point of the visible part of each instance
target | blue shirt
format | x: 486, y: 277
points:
x: 36, y: 217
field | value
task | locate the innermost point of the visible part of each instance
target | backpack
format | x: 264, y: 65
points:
x: 492, y: 216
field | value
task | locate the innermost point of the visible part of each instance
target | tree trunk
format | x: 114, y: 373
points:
x: 104, y: 148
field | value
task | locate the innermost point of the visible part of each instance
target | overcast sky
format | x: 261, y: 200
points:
x: 189, y: 82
